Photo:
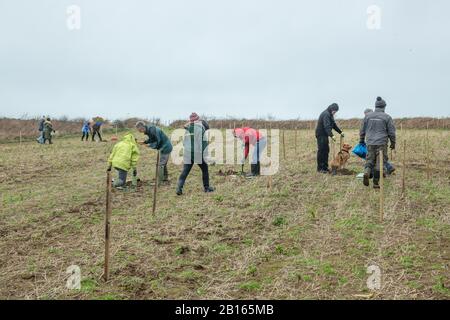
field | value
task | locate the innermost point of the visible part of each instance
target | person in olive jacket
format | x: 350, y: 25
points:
x: 324, y: 130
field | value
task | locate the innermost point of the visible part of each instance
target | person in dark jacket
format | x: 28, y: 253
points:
x: 377, y: 128
x: 96, y: 125
x: 388, y: 167
x: 48, y: 130
x: 195, y: 145
x: 324, y: 130
x: 157, y: 140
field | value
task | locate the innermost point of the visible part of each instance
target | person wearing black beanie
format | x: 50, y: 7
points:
x: 324, y: 129
x: 377, y: 128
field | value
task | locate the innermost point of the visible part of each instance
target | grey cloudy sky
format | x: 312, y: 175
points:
x: 244, y: 58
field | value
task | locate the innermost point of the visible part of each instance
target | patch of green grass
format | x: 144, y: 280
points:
x: 251, y: 270
x: 327, y: 269
x: 279, y: 221
x: 88, y: 285
x: 250, y: 286
x: 222, y: 248
x: 190, y: 275
x: 407, y: 262
x: 440, y: 287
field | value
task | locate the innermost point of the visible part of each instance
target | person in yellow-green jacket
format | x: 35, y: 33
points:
x: 123, y: 158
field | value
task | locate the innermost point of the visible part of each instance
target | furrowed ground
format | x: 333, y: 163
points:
x: 312, y: 237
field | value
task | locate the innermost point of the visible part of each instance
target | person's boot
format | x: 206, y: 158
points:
x: 209, y: 189
x: 160, y: 175
x: 366, y: 177
x: 179, y: 188
x: 376, y: 179
x: 166, y: 174
x: 253, y: 171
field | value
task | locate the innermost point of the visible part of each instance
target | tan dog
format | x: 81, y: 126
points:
x: 341, y: 158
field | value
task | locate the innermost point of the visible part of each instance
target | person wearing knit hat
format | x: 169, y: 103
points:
x: 195, y: 149
x: 194, y: 117
x: 389, y: 168
x: 376, y: 129
x: 324, y: 130
x: 380, y: 103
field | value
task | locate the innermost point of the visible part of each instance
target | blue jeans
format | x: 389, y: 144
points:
x: 259, y: 147
x: 122, y: 178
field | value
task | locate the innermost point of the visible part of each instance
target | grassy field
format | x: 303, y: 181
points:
x: 312, y: 237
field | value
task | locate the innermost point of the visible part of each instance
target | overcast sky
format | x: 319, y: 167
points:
x: 243, y: 58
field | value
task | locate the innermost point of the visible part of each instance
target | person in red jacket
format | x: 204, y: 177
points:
x: 250, y: 136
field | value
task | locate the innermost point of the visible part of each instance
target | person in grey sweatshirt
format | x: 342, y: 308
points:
x: 377, y: 129
x: 388, y: 166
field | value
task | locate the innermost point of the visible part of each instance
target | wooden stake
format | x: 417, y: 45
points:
x: 284, y: 145
x: 295, y: 140
x: 428, y: 153
x: 381, y: 186
x: 404, y: 168
x: 107, y: 224
x: 20, y: 138
x: 333, y: 148
x: 269, y: 183
x: 155, y: 190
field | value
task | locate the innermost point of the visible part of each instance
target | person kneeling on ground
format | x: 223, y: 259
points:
x: 123, y: 158
x: 250, y: 136
x: 378, y: 127
x: 157, y: 140
x: 194, y: 149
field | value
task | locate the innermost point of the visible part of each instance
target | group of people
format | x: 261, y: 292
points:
x: 93, y: 127
x: 376, y: 129
x: 45, y: 130
x: 125, y: 154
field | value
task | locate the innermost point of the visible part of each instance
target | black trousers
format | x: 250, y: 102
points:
x: 85, y: 134
x: 96, y: 131
x: 323, y: 150
x: 187, y: 168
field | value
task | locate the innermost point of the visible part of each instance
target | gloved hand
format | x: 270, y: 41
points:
x: 362, y: 141
x: 342, y: 135
x: 333, y: 138
x: 109, y: 169
x: 392, y: 146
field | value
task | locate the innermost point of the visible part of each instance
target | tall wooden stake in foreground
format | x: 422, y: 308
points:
x: 295, y: 139
x: 428, y: 153
x: 107, y: 224
x: 381, y: 185
x: 404, y: 169
x: 20, y: 137
x: 284, y: 146
x: 155, y: 190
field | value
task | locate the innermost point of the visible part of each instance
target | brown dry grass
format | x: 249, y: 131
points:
x: 312, y: 237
